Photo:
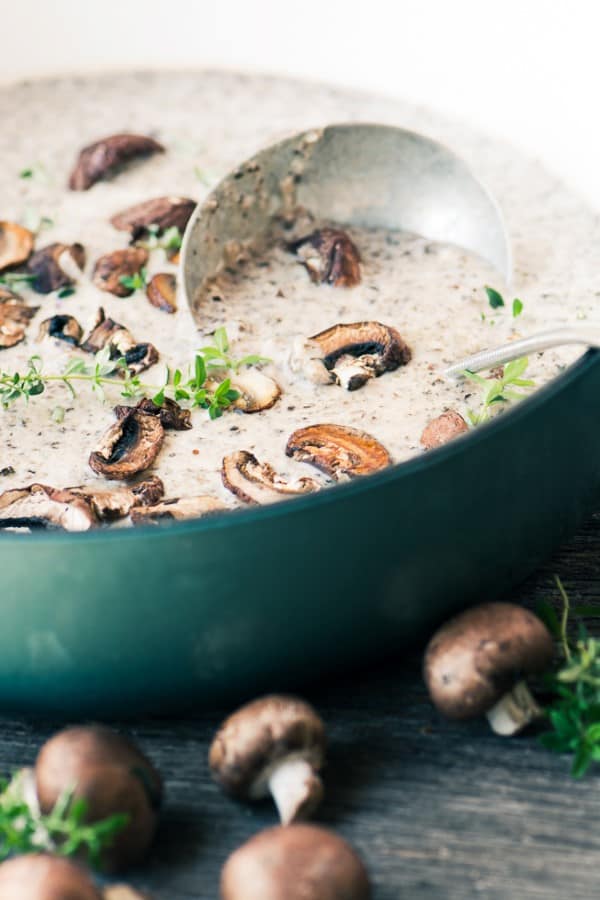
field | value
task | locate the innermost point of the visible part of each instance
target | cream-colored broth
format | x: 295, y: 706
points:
x: 433, y: 295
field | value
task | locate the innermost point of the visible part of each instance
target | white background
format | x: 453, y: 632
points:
x: 527, y: 70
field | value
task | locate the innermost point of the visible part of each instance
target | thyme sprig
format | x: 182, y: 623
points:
x: 170, y: 240
x: 136, y: 282
x: 574, y: 714
x: 64, y: 831
x: 500, y: 389
x: 199, y: 385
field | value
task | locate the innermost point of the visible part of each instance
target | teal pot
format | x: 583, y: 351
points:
x: 132, y: 622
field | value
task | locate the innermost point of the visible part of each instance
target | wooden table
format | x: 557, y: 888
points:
x: 437, y: 809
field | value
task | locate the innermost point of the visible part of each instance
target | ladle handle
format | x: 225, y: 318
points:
x: 589, y: 336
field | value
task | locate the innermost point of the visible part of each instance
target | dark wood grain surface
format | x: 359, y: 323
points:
x: 437, y: 809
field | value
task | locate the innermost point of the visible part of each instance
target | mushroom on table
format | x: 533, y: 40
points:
x: 40, y: 876
x: 476, y: 663
x: 113, y: 776
x: 296, y: 862
x: 274, y: 745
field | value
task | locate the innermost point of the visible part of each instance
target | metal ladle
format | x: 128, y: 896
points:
x: 363, y: 175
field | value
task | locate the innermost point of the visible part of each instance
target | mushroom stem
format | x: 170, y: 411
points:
x: 296, y: 788
x: 514, y: 711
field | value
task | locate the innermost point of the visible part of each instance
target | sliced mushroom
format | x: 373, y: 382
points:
x: 274, y: 745
x: 106, y: 331
x: 129, y: 446
x: 63, y: 328
x: 161, y: 291
x: 163, y: 213
x: 255, y: 482
x: 295, y: 862
x: 330, y: 257
x: 118, y: 503
x: 111, y: 267
x: 100, y: 159
x: 351, y: 354
x: 171, y: 415
x: 40, y: 506
x: 56, y: 266
x: 16, y: 245
x: 256, y: 391
x: 177, y: 508
x: 15, y: 315
x: 444, y: 428
x: 338, y: 450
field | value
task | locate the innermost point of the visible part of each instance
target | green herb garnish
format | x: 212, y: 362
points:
x: 501, y: 389
x: 517, y: 307
x: 66, y: 291
x: 12, y: 278
x: 574, y: 715
x: 64, y: 831
x: 135, y: 282
x: 201, y: 386
x: 495, y: 298
x: 170, y: 240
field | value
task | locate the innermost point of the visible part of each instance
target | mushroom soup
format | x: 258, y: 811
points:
x: 314, y: 362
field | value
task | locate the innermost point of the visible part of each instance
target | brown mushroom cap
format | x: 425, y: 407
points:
x: 161, y: 291
x: 100, y: 159
x: 338, y: 450
x: 255, y: 482
x: 476, y: 657
x: 330, y: 257
x: 252, y: 740
x: 16, y: 245
x: 295, y: 862
x: 63, y: 328
x: 15, y: 315
x: 176, y: 509
x: 112, y: 775
x: 40, y: 506
x: 119, y: 502
x: 129, y: 446
x: 442, y: 429
x: 358, y: 351
x: 256, y: 390
x: 55, y: 266
x: 111, y: 267
x: 162, y: 212
x: 40, y: 876
x: 138, y: 356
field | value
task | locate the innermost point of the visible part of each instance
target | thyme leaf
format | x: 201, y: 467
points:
x: 500, y: 390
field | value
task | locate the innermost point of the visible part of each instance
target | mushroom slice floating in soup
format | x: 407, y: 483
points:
x: 100, y: 159
x: 176, y: 509
x: 111, y: 268
x: 138, y: 356
x: 16, y: 245
x: 128, y: 447
x: 350, y: 354
x: 118, y: 502
x: 56, y: 266
x: 442, y: 429
x: 15, y: 315
x: 256, y: 390
x: 330, y: 257
x: 63, y: 328
x: 338, y: 450
x: 255, y: 482
x: 161, y: 291
x: 40, y: 506
x: 170, y: 413
x: 162, y: 213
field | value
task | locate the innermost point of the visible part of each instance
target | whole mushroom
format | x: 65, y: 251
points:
x: 40, y: 876
x: 275, y: 745
x: 112, y: 775
x: 475, y: 665
x: 298, y: 862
